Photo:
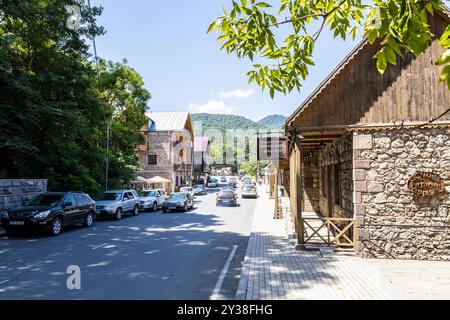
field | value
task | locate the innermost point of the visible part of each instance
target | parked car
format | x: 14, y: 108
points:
x: 189, y: 190
x: 226, y: 196
x: 199, y: 190
x: 178, y: 201
x: 151, y: 199
x: 115, y: 203
x: 249, y: 192
x: 213, y: 183
x: 50, y: 211
x: 223, y: 179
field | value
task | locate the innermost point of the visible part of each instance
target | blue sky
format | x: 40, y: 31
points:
x: 166, y: 42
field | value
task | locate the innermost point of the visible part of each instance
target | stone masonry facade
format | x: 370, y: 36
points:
x: 14, y: 191
x: 392, y: 221
x: 158, y: 144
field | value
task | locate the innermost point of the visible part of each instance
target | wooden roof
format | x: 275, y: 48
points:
x: 356, y: 95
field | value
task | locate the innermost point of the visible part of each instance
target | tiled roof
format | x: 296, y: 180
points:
x: 167, y: 121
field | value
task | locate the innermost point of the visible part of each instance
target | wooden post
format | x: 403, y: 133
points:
x: 299, y: 189
x: 276, y: 214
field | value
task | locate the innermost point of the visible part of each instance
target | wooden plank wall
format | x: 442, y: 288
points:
x: 408, y: 91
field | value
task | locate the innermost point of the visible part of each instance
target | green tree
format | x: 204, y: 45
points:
x: 53, y: 114
x: 249, y: 30
x: 122, y: 89
x: 249, y: 169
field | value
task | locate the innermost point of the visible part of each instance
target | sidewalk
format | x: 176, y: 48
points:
x: 273, y: 269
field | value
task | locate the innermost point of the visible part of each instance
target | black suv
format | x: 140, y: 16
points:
x: 50, y: 211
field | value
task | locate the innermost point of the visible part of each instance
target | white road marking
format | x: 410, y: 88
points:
x: 3, y: 282
x: 99, y: 246
x: 216, y: 292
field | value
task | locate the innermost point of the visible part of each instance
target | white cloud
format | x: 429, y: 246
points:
x: 212, y: 106
x: 237, y: 93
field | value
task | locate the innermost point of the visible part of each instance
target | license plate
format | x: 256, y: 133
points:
x: 16, y: 223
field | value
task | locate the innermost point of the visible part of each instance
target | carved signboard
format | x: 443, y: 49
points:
x: 426, y: 184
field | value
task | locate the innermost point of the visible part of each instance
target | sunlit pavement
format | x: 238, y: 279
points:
x: 151, y: 256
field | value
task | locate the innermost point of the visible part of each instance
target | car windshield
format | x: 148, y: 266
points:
x: 248, y: 188
x: 200, y: 186
x: 148, y: 194
x: 110, y: 196
x: 177, y: 196
x: 186, y: 189
x: 45, y: 200
x: 226, y: 193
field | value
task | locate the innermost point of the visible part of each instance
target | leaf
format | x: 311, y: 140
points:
x: 390, y: 55
x: 263, y: 5
x: 211, y: 27
x: 444, y: 58
x: 381, y: 61
x: 445, y: 74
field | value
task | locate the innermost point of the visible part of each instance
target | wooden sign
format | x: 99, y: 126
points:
x: 426, y: 184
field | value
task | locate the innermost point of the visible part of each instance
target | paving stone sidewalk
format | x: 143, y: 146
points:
x: 274, y: 270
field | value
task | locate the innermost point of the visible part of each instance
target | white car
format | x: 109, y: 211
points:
x: 189, y: 190
x: 151, y: 199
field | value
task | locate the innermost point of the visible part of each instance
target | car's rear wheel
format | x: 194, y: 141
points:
x: 56, y: 227
x: 136, y: 211
x: 118, y: 214
x: 155, y: 207
x: 89, y: 220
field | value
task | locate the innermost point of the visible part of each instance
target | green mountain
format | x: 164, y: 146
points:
x: 225, y: 121
x: 275, y: 121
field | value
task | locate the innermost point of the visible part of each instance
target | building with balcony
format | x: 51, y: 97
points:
x: 168, y: 148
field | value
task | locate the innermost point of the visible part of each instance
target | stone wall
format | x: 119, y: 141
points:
x: 14, y: 191
x: 159, y: 144
x: 337, y: 156
x: 392, y: 221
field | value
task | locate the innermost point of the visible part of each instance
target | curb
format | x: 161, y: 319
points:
x: 243, y: 280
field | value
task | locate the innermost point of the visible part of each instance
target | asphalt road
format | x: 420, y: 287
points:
x: 151, y: 256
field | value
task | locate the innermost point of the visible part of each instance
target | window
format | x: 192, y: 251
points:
x: 80, y: 198
x: 337, y: 184
x: 151, y: 159
x: 70, y: 198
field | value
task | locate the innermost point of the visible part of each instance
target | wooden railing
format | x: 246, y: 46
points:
x: 331, y: 231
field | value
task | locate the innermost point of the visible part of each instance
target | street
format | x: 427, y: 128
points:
x: 152, y: 256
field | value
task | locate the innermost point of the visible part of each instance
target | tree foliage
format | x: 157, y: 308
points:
x: 53, y: 114
x: 249, y: 30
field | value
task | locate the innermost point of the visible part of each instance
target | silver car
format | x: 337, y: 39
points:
x: 151, y: 199
x: 115, y: 203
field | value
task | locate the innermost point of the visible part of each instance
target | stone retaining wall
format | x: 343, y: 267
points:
x: 14, y: 191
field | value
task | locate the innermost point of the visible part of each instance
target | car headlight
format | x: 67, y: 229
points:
x: 4, y: 215
x: 42, y: 215
x: 181, y: 203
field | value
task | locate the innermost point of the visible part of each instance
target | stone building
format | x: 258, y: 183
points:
x: 202, y: 156
x: 168, y: 147
x: 368, y: 169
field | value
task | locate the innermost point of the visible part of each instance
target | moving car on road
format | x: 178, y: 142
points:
x: 249, y: 192
x: 223, y: 179
x: 199, y: 190
x: 50, y: 211
x: 226, y: 196
x: 213, y: 183
x: 178, y: 201
x: 115, y: 203
x: 151, y: 199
